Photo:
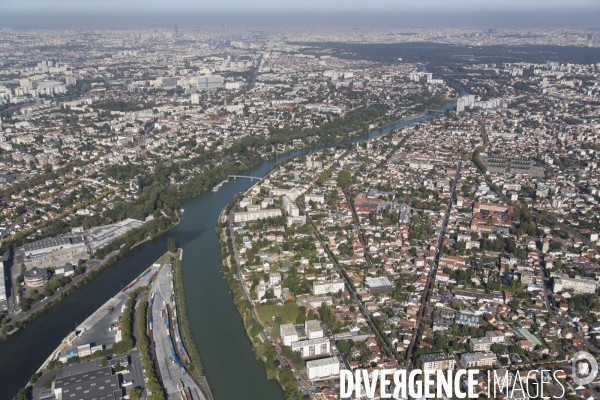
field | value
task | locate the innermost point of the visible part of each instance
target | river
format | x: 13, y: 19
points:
x: 230, y: 364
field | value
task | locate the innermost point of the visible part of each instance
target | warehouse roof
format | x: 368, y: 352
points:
x: 47, y: 243
x: 99, y: 384
x: 381, y: 283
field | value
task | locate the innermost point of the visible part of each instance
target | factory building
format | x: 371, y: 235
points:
x: 378, y: 284
x: 45, y: 246
x: 97, y: 384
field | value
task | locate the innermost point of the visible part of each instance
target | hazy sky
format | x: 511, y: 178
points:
x: 116, y: 6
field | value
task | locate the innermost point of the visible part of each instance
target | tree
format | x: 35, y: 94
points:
x: 344, y: 347
x: 24, y: 393
x: 344, y: 178
x: 556, y: 246
x: 171, y: 246
x: 135, y: 394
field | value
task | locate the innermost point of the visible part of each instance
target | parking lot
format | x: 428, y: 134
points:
x: 96, y: 328
x: 59, y: 258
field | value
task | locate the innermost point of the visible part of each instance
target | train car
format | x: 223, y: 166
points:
x: 188, y: 394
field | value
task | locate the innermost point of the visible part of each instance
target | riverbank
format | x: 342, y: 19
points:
x: 80, y: 281
x: 255, y: 330
x: 276, y: 367
x: 165, y: 330
x: 120, y: 252
x: 195, y: 367
x: 93, y: 329
x: 214, y: 320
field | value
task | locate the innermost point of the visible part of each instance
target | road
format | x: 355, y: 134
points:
x: 170, y: 371
x: 20, y: 316
x: 303, y: 384
x: 365, y: 312
x: 349, y: 285
x: 256, y: 71
x: 411, y: 353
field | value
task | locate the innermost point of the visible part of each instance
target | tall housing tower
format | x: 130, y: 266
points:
x: 176, y: 30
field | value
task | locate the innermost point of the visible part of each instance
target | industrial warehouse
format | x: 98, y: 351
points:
x: 94, y: 239
x: 45, y: 246
x: 92, y: 381
x: 98, y: 384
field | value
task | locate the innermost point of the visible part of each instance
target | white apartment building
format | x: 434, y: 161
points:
x: 436, y: 361
x: 579, y: 284
x: 480, y: 344
x: 312, y: 347
x: 324, y: 287
x: 254, y: 215
x: 274, y: 278
x: 323, y: 368
x: 495, y: 336
x: 317, y: 198
x: 288, y: 334
x: 290, y: 207
x: 2, y: 282
x: 313, y: 329
x: 478, y: 359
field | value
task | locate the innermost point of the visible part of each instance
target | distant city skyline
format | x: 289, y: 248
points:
x: 116, y: 6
